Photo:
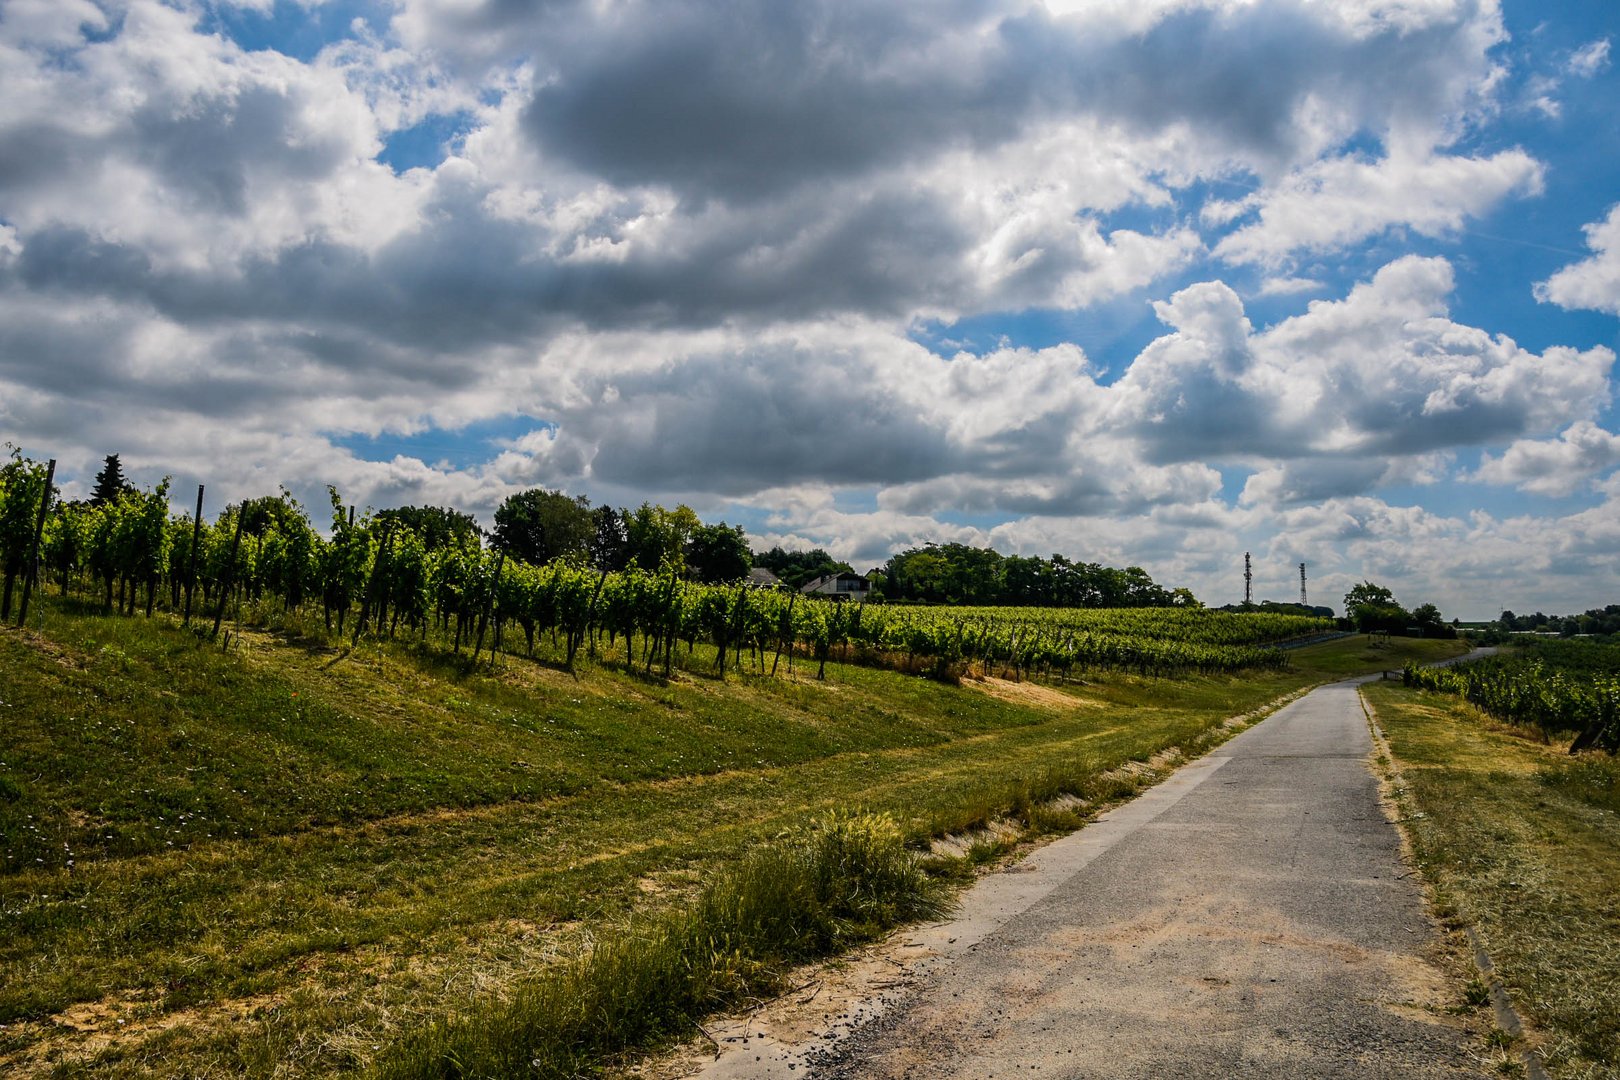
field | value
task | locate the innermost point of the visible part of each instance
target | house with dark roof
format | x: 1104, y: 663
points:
x: 762, y: 578
x: 845, y: 586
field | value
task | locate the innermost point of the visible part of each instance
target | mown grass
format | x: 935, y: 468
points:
x: 285, y: 857
x: 1522, y: 841
x: 842, y: 882
x: 1345, y: 657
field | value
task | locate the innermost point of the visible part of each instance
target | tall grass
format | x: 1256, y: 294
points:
x: 1523, y: 843
x: 842, y: 881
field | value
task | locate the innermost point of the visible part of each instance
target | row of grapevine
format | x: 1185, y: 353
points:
x: 1532, y: 694
x: 23, y: 484
x: 1166, y: 624
x: 381, y: 575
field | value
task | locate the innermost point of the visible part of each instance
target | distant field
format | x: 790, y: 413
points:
x: 276, y: 858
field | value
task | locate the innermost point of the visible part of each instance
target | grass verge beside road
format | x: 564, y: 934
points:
x: 1522, y: 841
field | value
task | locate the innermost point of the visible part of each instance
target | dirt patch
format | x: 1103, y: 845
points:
x: 48, y: 648
x: 837, y: 995
x: 83, y: 1030
x: 960, y: 845
x: 1030, y: 693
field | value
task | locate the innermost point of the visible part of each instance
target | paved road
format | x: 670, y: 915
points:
x: 1250, y: 918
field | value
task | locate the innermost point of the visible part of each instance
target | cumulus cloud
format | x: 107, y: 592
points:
x: 1554, y: 564
x: 1339, y: 202
x: 627, y: 166
x: 1383, y: 372
x: 1315, y: 480
x: 1558, y: 466
x: 1593, y: 283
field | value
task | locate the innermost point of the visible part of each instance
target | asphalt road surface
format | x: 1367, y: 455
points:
x: 1251, y: 917
x: 1262, y: 925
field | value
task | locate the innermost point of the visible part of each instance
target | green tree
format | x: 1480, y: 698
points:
x: 537, y: 526
x: 610, y: 543
x: 1365, y: 594
x: 1427, y: 615
x: 110, y: 482
x: 658, y: 537
x: 719, y: 553
x: 1373, y: 608
x: 797, y: 568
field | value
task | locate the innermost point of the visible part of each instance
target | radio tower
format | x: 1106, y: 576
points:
x: 1248, y: 580
x: 1302, y: 601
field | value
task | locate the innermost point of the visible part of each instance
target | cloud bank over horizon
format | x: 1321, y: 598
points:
x: 1342, y: 291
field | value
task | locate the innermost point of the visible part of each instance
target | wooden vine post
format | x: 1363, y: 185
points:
x: 32, y: 565
x: 191, y: 571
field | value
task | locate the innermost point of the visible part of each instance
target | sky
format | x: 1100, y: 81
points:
x: 1139, y: 282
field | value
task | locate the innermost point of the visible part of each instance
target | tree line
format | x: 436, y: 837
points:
x: 960, y: 574
x: 1594, y: 622
x: 1372, y: 608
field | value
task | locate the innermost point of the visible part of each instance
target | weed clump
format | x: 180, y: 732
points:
x: 843, y: 880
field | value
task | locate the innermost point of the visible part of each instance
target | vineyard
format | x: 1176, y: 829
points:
x: 1554, y: 688
x: 382, y: 575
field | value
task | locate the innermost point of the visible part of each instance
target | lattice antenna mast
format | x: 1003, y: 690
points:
x: 1248, y: 580
x: 1302, y: 601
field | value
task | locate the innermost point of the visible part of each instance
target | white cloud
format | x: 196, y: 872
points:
x: 1342, y: 201
x: 1540, y: 95
x: 1593, y: 283
x: 1381, y: 373
x: 52, y: 23
x: 1589, y: 59
x: 188, y: 150
x: 1555, y: 466
x: 1288, y: 286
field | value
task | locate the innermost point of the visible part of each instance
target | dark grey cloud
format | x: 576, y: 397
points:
x: 1090, y: 493
x: 737, y: 423
x: 1314, y: 480
x: 465, y: 280
x: 211, y: 152
x: 755, y: 98
x: 744, y: 99
x: 35, y: 153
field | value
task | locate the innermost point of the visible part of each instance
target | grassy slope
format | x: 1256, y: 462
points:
x: 1524, y: 842
x: 279, y: 857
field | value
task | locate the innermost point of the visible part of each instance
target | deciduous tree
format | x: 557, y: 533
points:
x: 537, y: 526
x: 718, y: 553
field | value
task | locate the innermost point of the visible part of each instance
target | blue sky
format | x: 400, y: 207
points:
x: 1150, y: 283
